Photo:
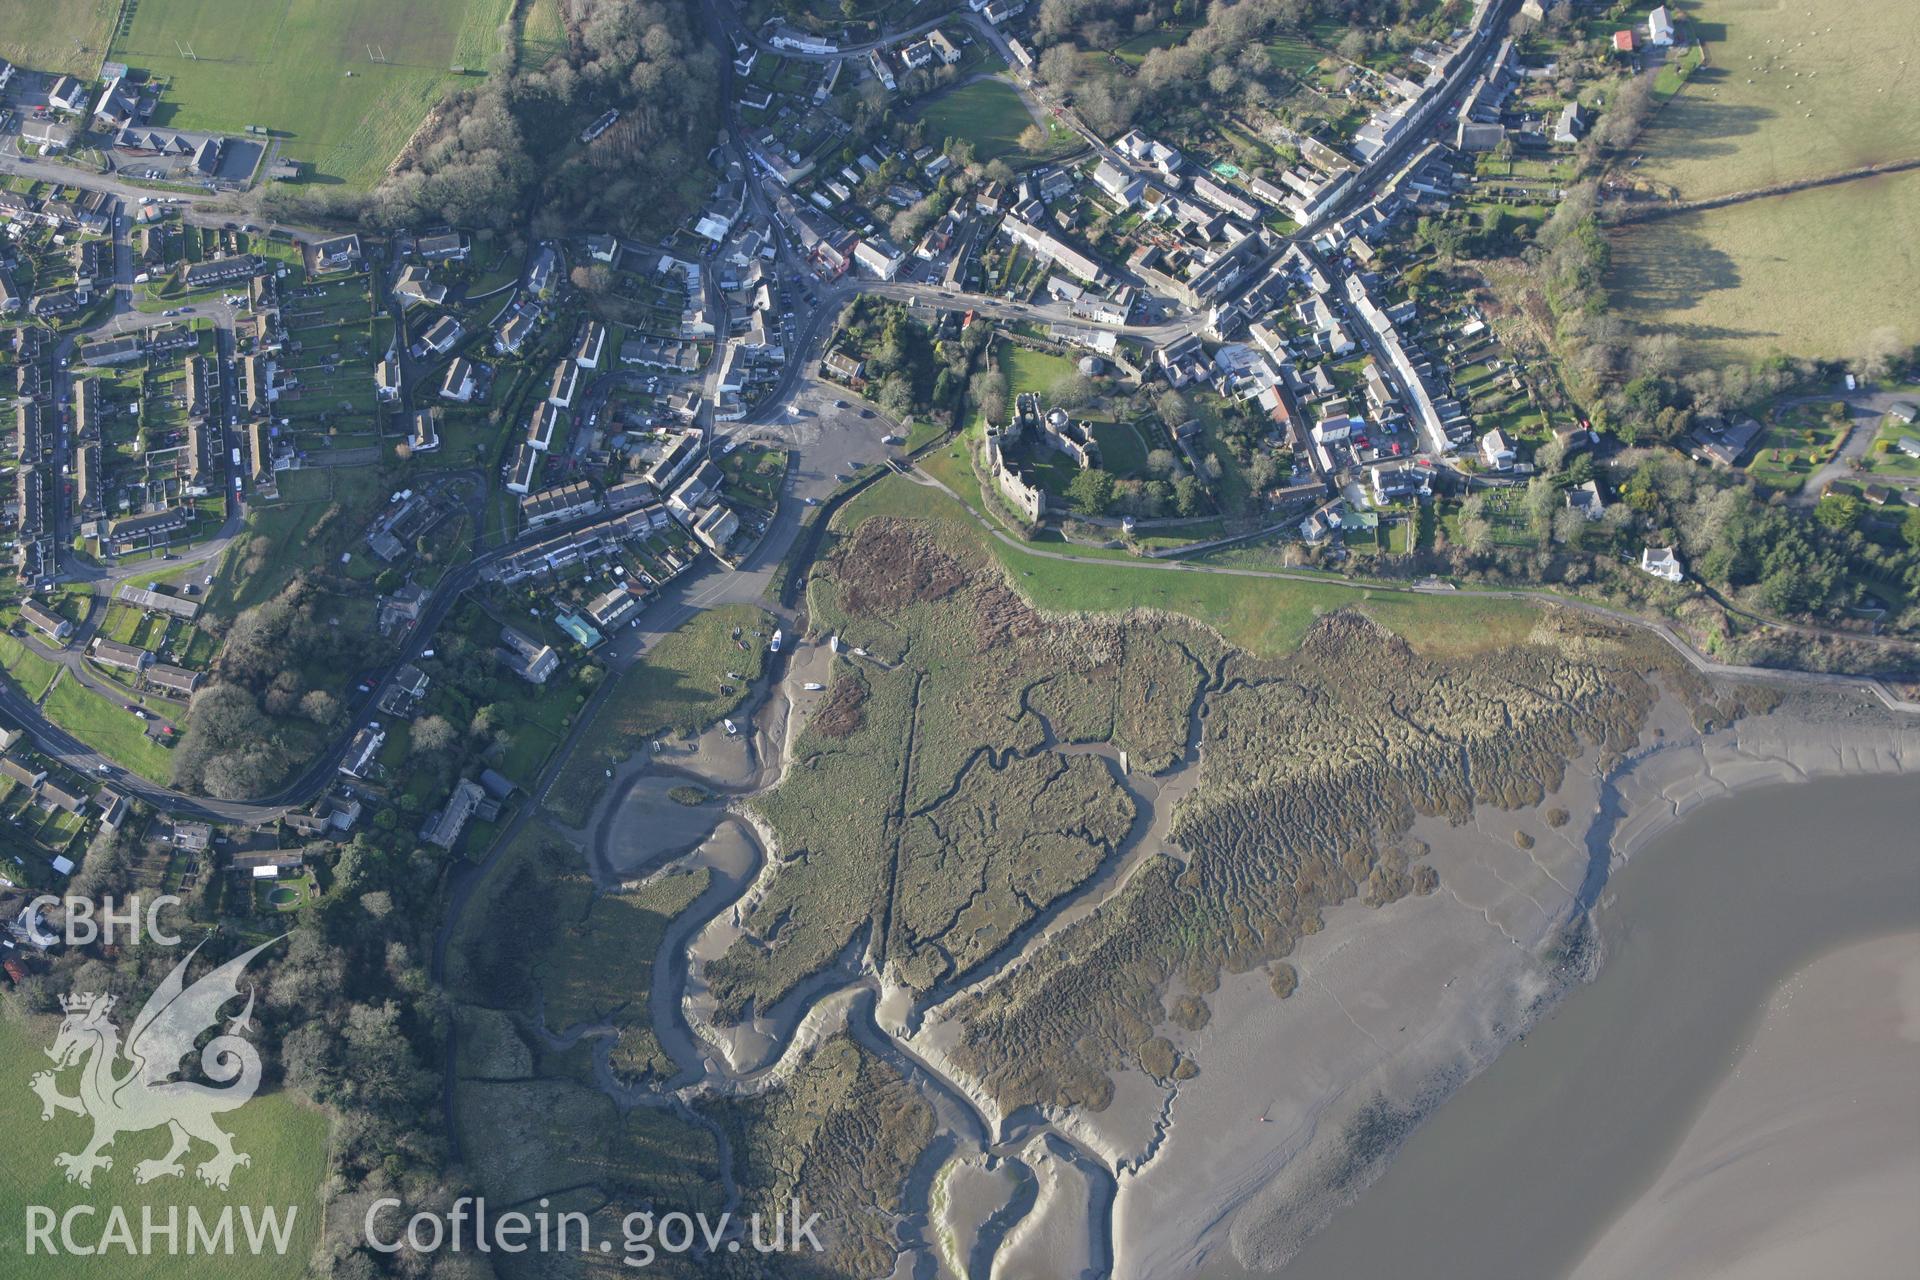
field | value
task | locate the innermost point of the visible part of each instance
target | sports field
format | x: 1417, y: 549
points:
x: 306, y: 69
x: 56, y: 35
x: 1789, y: 94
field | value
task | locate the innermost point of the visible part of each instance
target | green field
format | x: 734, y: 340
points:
x: 1811, y: 274
x: 542, y: 32
x: 318, y: 516
x: 1785, y: 95
x: 286, y: 1141
x: 107, y: 729
x: 29, y: 670
x: 57, y: 35
x: 302, y: 68
x: 987, y: 113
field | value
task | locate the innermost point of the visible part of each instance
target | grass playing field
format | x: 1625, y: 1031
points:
x: 285, y: 1140
x: 56, y: 35
x: 305, y: 69
x: 987, y: 113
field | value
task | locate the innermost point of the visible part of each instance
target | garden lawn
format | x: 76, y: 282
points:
x: 1789, y: 451
x: 1885, y: 454
x: 302, y: 69
x: 1135, y: 51
x: 1294, y: 55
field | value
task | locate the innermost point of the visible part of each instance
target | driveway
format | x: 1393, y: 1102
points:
x: 1866, y: 410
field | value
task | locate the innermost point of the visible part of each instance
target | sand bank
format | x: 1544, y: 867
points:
x: 1059, y: 1239
x: 1806, y: 1159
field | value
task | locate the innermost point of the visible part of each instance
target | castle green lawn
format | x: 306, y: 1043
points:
x: 118, y: 734
x: 1123, y: 450
x: 286, y: 1140
x: 67, y: 36
x: 1266, y: 616
x: 301, y: 68
x: 1035, y: 371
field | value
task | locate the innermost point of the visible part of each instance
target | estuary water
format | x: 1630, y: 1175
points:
x: 1520, y: 1171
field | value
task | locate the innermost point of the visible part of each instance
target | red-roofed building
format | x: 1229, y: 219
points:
x: 1623, y: 42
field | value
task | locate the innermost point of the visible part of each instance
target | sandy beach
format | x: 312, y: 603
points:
x: 1806, y: 1160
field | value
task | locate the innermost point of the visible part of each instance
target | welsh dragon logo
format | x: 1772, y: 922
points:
x: 133, y: 1088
